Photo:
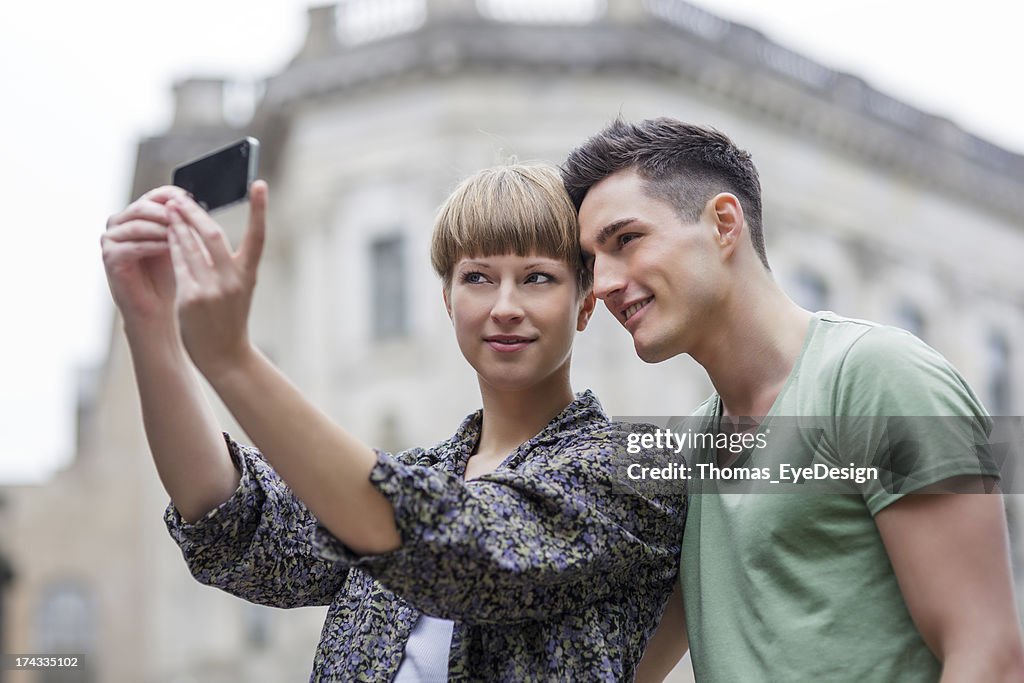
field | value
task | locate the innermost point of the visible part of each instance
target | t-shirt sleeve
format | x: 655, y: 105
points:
x: 256, y: 545
x: 520, y: 544
x: 904, y: 409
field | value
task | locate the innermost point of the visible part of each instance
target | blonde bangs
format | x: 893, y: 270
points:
x: 516, y: 209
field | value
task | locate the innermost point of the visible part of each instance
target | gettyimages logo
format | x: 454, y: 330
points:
x: 677, y: 442
x: 848, y: 455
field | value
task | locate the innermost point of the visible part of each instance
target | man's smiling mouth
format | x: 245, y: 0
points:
x: 631, y: 310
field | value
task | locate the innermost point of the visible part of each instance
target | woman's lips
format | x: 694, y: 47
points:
x: 508, y: 344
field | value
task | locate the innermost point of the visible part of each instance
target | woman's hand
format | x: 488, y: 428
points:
x: 327, y: 468
x: 214, y: 285
x: 137, y: 259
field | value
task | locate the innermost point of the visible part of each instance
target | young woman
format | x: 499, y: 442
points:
x: 508, y: 552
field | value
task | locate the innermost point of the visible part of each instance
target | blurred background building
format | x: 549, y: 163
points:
x: 872, y: 208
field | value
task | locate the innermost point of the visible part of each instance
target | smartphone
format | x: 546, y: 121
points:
x: 222, y: 177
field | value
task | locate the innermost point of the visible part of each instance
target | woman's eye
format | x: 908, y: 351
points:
x: 627, y: 238
x: 539, y: 278
x: 473, y: 278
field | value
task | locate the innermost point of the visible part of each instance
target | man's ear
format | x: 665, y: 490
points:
x: 586, y: 310
x: 445, y: 294
x: 727, y: 214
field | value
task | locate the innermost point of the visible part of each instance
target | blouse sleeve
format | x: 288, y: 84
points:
x: 256, y: 545
x: 550, y: 537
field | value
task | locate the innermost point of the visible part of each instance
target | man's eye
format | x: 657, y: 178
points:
x: 539, y: 278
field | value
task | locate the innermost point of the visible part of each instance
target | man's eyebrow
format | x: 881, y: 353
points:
x: 609, y: 230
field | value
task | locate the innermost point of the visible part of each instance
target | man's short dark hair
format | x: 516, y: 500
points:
x: 683, y: 164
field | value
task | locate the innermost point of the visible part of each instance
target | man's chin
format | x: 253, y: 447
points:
x: 651, y: 353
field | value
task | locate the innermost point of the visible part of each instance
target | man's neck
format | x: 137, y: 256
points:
x: 752, y: 346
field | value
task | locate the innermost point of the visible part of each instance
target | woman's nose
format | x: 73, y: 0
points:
x: 507, y: 307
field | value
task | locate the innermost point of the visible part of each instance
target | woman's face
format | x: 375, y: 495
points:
x: 515, y: 317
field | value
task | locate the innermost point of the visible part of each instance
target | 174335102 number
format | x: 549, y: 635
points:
x: 36, y: 662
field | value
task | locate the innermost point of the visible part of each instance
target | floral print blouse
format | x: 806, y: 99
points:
x: 550, y: 567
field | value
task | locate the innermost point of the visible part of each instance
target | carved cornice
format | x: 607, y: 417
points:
x: 724, y: 60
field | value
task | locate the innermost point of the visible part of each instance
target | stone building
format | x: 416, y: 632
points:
x: 872, y: 208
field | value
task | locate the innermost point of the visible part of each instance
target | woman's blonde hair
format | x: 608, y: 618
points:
x: 518, y: 209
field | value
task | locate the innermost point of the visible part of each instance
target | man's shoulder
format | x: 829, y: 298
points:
x: 839, y: 332
x: 884, y: 370
x: 851, y: 366
x: 882, y: 351
x: 857, y: 346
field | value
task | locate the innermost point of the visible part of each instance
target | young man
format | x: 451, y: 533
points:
x: 887, y: 585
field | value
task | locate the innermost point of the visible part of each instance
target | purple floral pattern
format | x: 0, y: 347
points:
x: 549, y: 569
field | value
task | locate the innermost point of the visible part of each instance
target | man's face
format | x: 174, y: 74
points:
x: 655, y: 273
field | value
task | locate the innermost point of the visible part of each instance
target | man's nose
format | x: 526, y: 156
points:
x: 609, y: 278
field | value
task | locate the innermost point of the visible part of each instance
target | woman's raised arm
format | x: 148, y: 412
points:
x: 189, y: 452
x: 327, y: 468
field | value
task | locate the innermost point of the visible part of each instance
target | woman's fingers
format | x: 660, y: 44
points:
x: 136, y: 230
x: 123, y: 252
x: 163, y: 193
x: 140, y: 210
x: 213, y: 290
x: 133, y: 241
x: 150, y: 206
x: 202, y: 255
x: 213, y: 239
x: 255, y: 234
x: 190, y: 264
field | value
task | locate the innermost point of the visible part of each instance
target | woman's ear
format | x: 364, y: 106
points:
x: 445, y: 294
x: 586, y: 310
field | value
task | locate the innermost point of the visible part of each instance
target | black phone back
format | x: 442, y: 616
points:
x: 222, y: 177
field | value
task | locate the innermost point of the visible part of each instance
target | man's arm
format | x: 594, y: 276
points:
x: 950, y: 552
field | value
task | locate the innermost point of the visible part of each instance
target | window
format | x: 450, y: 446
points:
x: 256, y: 625
x: 6, y: 578
x: 998, y: 374
x: 910, y: 318
x: 542, y: 11
x: 362, y: 21
x: 389, y: 433
x: 388, y: 284
x: 66, y: 624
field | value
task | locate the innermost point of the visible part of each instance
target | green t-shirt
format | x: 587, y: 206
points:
x: 797, y: 586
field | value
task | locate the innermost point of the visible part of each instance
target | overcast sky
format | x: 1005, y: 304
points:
x: 82, y: 82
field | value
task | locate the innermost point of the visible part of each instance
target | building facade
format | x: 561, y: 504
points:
x: 871, y: 208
